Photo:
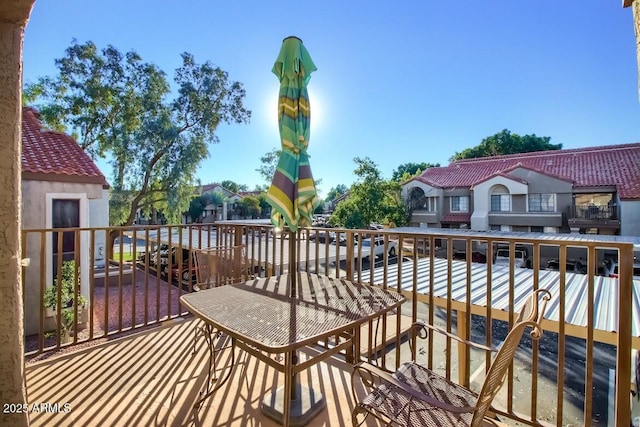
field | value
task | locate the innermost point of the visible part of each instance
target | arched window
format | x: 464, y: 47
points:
x: 500, y: 199
x: 416, y: 198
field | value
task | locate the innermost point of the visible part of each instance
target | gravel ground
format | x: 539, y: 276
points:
x: 128, y: 300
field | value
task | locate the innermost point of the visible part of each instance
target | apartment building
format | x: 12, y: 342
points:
x: 594, y: 190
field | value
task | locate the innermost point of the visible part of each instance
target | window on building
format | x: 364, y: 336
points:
x: 537, y: 229
x: 542, y: 202
x: 500, y: 203
x: 431, y: 204
x: 460, y: 204
x: 456, y: 225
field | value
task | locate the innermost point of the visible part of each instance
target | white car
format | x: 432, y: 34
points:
x: 378, y: 247
x: 502, y: 258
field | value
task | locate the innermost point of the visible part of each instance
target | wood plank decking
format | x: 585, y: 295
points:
x: 152, y: 379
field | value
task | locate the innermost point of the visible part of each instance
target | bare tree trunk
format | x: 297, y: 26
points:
x: 13, y: 19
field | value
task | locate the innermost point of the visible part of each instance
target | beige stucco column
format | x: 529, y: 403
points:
x: 13, y: 18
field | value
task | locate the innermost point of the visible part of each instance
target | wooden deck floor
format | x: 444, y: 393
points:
x: 152, y: 379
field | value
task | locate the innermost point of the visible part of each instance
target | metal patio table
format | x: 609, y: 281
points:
x: 261, y: 318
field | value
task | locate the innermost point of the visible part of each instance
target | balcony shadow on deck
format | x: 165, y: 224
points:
x: 153, y: 379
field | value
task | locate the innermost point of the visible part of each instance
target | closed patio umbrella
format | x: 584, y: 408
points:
x: 292, y: 194
x: 293, y: 198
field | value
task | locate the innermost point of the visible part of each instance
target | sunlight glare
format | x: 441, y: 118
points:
x: 270, y: 106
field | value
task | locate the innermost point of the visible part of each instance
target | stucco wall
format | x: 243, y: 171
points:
x: 13, y: 19
x: 630, y: 217
x: 482, y: 199
x: 99, y: 217
x: 34, y: 209
x: 425, y: 218
x: 535, y: 183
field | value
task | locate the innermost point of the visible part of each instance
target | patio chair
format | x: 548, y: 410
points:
x: 218, y: 266
x: 416, y: 396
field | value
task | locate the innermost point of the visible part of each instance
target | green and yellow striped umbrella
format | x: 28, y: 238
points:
x: 292, y: 194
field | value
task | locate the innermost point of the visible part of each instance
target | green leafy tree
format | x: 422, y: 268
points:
x: 234, y: 187
x: 197, y: 207
x: 336, y: 191
x: 249, y: 207
x: 406, y: 171
x: 265, y: 208
x: 268, y: 164
x: 120, y: 108
x: 505, y: 142
x: 371, y: 200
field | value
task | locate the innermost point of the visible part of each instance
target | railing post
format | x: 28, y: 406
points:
x: 350, y: 255
x: 623, y: 355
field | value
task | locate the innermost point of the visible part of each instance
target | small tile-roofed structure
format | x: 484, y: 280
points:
x: 54, y: 156
x: 612, y: 166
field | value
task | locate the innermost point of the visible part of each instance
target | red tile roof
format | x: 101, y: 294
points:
x: 206, y: 188
x: 456, y: 217
x: 54, y: 156
x: 612, y: 166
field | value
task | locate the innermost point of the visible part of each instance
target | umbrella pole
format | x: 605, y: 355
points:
x: 293, y: 263
x: 293, y: 272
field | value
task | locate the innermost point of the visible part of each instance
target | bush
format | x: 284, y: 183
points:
x: 68, y: 287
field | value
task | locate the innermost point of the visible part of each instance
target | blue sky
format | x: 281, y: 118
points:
x: 411, y: 81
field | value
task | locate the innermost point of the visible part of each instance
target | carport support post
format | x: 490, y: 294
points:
x: 463, y: 360
x: 623, y: 355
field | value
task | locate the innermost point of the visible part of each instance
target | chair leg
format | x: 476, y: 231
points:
x: 354, y: 416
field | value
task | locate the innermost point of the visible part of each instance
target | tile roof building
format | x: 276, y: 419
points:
x: 593, y: 189
x: 61, y: 188
x: 54, y: 156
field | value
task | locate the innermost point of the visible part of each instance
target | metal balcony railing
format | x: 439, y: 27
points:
x: 594, y: 212
x: 129, y: 278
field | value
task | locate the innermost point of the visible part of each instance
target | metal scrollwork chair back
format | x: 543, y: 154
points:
x: 416, y: 396
x: 218, y: 266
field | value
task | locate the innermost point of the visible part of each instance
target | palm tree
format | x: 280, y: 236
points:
x: 216, y: 199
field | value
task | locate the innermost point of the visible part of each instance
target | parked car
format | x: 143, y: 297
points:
x: 610, y: 268
x: 378, y: 247
x: 476, y: 256
x: 322, y: 236
x: 340, y: 241
x: 152, y: 255
x: 521, y: 258
x: 180, y: 268
x: 572, y: 266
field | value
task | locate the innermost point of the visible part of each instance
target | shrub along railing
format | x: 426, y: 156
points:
x: 129, y: 278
